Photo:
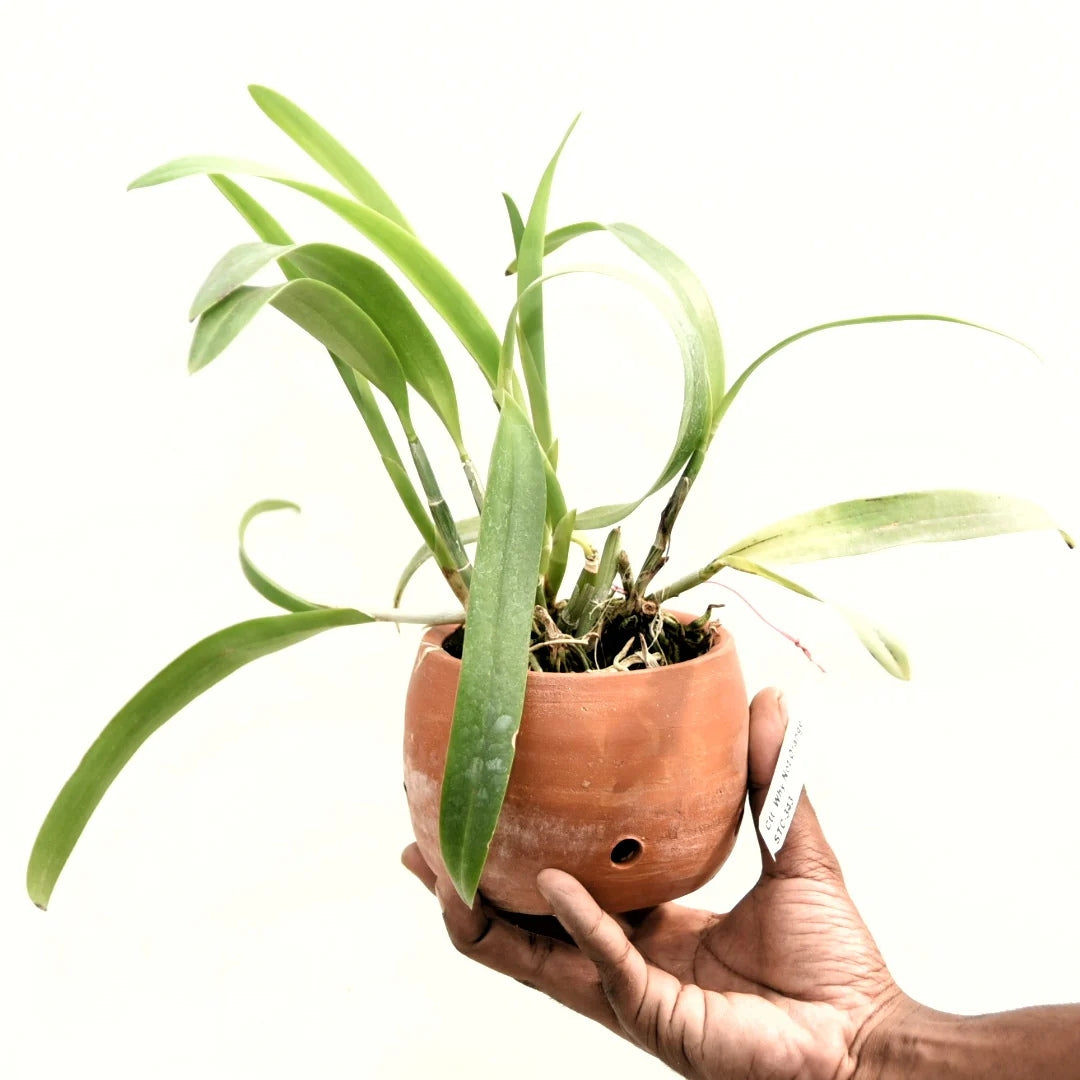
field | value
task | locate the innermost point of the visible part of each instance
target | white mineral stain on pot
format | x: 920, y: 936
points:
x: 425, y: 650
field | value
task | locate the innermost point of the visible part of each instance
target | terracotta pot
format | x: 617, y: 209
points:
x: 634, y: 782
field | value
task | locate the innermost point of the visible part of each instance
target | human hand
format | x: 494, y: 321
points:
x: 787, y: 984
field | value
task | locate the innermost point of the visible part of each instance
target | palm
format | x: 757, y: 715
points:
x: 800, y: 995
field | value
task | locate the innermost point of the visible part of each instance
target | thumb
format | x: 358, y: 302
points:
x: 806, y: 852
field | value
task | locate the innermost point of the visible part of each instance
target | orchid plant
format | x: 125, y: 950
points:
x: 509, y: 597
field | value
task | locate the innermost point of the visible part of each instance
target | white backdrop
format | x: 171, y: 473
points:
x: 236, y: 907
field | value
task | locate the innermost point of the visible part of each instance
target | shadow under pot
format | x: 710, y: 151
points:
x: 634, y: 782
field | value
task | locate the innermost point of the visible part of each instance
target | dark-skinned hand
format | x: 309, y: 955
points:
x: 787, y: 984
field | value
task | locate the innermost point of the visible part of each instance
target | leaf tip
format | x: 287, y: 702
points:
x: 39, y: 891
x: 1069, y: 541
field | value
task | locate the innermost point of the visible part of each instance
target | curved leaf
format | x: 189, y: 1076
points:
x: 435, y: 283
x: 364, y: 400
x: 557, y: 237
x: 323, y: 148
x: 262, y: 584
x: 269, y: 231
x: 235, y: 268
x: 325, y: 313
x: 467, y: 528
x: 724, y: 404
x: 266, y: 226
x: 349, y: 333
x: 859, y: 526
x: 376, y: 293
x: 885, y: 649
x: 694, y: 418
x: 219, y: 326
x: 204, y: 165
x: 188, y: 676
x: 494, y: 661
x: 688, y: 290
x: 682, y: 281
x: 368, y: 286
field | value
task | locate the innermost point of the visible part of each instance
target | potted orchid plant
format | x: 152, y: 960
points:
x: 555, y: 713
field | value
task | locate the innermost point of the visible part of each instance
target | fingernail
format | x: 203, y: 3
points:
x: 781, y: 706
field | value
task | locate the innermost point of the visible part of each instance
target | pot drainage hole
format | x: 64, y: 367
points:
x: 626, y: 851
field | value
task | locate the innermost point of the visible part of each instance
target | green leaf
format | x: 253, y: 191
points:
x: 188, y: 676
x: 557, y: 237
x: 560, y: 554
x: 218, y: 327
x: 530, y: 301
x: 253, y: 212
x: 596, y: 592
x: 435, y: 283
x: 688, y: 290
x: 326, y: 314
x: 882, y: 647
x: 721, y: 407
x: 323, y: 148
x: 368, y: 286
x: 860, y: 526
x: 269, y: 231
x: 235, y: 268
x: 682, y: 281
x: 364, y: 400
x: 375, y: 292
x: 205, y: 165
x: 494, y: 662
x: 694, y: 418
x: 467, y: 528
x: 349, y: 333
x: 263, y: 585
x: 517, y: 226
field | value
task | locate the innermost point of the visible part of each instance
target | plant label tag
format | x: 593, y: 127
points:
x: 786, y: 786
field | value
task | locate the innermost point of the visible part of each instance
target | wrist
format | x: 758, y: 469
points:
x: 892, y: 1044
x: 907, y: 1041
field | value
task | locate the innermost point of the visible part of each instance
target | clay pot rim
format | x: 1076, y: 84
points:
x: 723, y: 642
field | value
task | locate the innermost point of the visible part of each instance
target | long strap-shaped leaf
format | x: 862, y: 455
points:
x: 468, y: 529
x: 682, y: 281
x: 372, y: 289
x: 270, y: 231
x: 694, y: 417
x: 721, y: 407
x: 562, y: 235
x: 495, y: 658
x: 267, y: 228
x: 435, y: 283
x: 322, y: 147
x: 531, y: 314
x: 860, y: 526
x: 885, y: 649
x: 326, y: 313
x: 188, y: 676
x: 264, y: 585
x: 364, y: 400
